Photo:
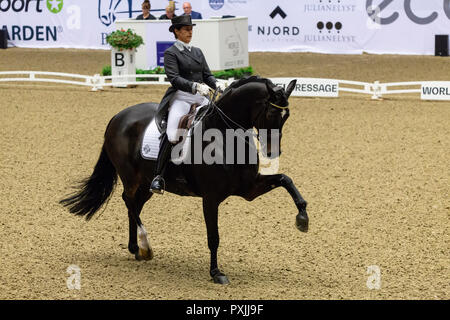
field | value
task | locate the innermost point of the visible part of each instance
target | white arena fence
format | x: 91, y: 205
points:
x: 305, y: 87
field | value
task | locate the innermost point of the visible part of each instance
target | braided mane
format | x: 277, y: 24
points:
x: 240, y: 82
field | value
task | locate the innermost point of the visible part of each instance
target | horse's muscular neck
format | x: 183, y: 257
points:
x: 241, y: 106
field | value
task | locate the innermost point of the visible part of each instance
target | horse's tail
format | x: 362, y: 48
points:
x: 95, y: 190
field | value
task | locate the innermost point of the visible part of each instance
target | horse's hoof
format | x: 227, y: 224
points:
x: 222, y: 279
x: 142, y: 255
x: 302, y: 222
x: 219, y: 277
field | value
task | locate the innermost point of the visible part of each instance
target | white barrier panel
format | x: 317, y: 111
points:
x: 311, y: 87
x: 435, y: 90
x: 305, y: 87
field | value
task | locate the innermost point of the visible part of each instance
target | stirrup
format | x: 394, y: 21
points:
x: 158, y: 185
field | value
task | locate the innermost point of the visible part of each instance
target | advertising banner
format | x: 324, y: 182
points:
x: 161, y: 47
x: 405, y: 27
x: 325, y: 26
x: 67, y: 23
x: 308, y: 25
x: 310, y: 87
x: 339, y: 26
x: 439, y: 90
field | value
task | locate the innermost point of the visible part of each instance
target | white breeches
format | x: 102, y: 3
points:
x: 180, y: 104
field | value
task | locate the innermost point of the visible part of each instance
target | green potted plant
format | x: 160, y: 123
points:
x: 124, y: 39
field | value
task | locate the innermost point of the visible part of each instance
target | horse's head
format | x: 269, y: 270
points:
x: 266, y: 108
x: 273, y: 115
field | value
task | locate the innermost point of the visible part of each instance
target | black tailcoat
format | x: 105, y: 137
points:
x: 183, y: 68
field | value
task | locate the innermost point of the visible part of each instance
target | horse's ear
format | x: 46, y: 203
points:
x: 290, y: 87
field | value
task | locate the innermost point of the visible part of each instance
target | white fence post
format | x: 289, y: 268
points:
x: 376, y: 90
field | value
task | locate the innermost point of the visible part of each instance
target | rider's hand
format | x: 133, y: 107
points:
x: 221, y: 86
x: 202, y: 89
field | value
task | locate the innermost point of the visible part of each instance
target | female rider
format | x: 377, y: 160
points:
x: 190, y: 77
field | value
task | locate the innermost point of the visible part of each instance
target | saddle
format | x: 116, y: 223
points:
x: 187, y: 120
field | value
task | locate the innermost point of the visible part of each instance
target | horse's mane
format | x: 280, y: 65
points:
x: 240, y: 82
x: 245, y: 80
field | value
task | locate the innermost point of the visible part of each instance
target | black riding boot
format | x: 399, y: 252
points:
x: 158, y: 183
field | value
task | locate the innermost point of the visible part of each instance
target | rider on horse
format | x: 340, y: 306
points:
x: 188, y: 72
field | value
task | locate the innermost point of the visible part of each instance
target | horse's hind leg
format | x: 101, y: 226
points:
x: 135, y: 202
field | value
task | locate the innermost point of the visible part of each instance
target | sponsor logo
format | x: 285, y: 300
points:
x: 161, y: 47
x: 329, y: 31
x: 329, y: 26
x: 278, y: 11
x: 234, y: 50
x: 436, y: 90
x: 110, y: 10
x: 20, y: 5
x: 310, y: 87
x: 329, y: 6
x: 147, y: 149
x: 232, y: 43
x: 277, y: 32
x: 216, y: 4
x: 375, y: 12
x: 32, y: 33
x: 54, y: 6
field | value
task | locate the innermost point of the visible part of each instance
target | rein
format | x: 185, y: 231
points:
x: 226, y: 119
x: 212, y: 108
x: 282, y: 108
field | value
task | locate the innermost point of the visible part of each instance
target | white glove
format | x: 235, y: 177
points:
x: 202, y: 89
x: 221, y: 86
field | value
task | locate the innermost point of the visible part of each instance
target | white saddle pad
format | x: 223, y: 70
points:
x: 151, y: 142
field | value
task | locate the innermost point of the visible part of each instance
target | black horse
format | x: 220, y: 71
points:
x: 251, y: 103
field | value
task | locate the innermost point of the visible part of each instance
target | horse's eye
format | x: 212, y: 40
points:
x: 273, y: 113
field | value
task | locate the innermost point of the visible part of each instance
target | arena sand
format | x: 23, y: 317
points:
x: 375, y: 175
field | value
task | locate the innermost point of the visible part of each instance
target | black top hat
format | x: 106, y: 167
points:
x: 180, y: 21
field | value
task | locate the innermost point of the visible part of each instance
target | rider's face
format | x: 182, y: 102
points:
x: 184, y: 34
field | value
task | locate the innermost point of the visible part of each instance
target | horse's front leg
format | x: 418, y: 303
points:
x: 210, y: 212
x: 266, y: 183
